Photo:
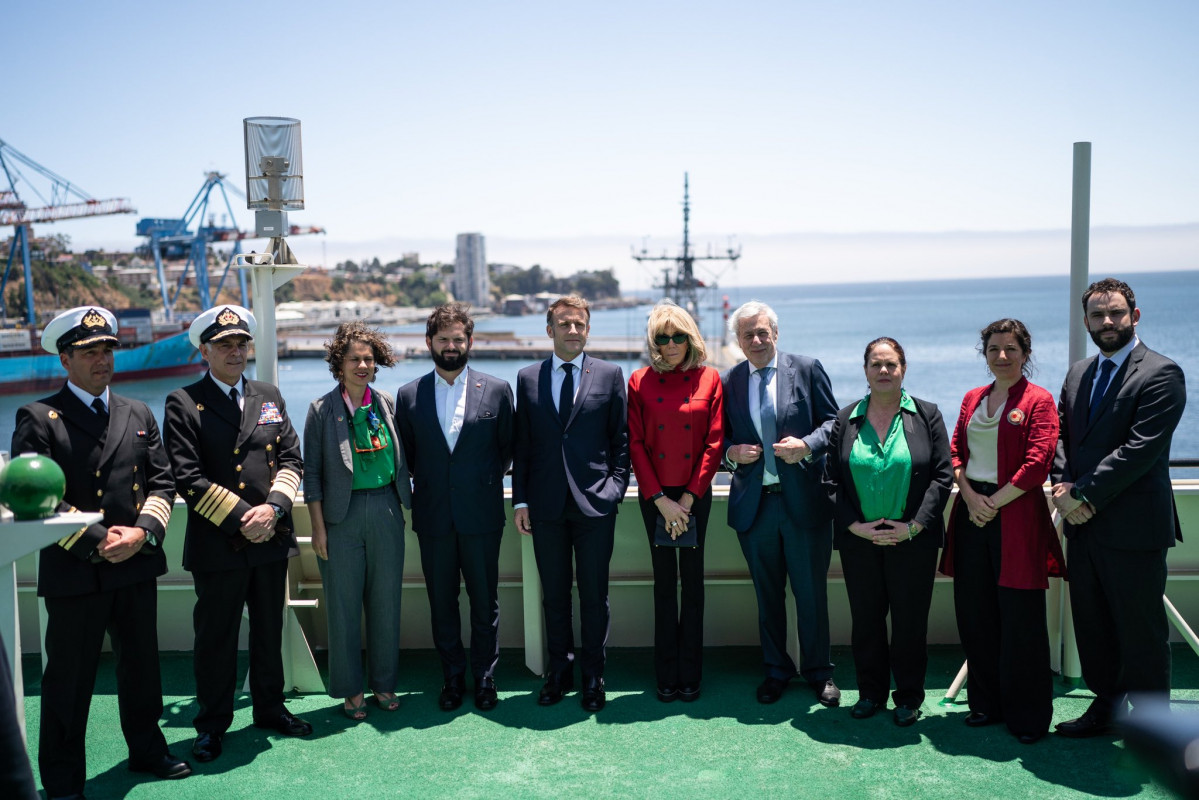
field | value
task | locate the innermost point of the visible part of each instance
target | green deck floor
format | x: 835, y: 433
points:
x: 723, y: 745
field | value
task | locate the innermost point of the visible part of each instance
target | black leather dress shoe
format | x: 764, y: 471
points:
x: 668, y: 694
x: 827, y: 693
x: 593, y: 698
x: 905, y: 716
x: 486, y: 697
x: 285, y: 723
x: 554, y: 690
x: 865, y: 708
x: 1029, y: 738
x: 451, y: 693
x: 165, y: 766
x: 1089, y: 724
x: 207, y: 747
x: 979, y: 719
x: 689, y: 692
x: 770, y: 690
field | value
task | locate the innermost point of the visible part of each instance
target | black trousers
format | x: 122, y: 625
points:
x: 589, y: 541
x: 477, y: 559
x: 75, y: 628
x: 1003, y: 632
x: 896, y: 580
x: 220, y: 597
x: 1120, y: 620
x: 678, y: 626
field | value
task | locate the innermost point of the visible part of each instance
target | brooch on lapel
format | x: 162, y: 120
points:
x: 53, y: 415
x: 1015, y: 416
x: 199, y: 406
x: 270, y: 414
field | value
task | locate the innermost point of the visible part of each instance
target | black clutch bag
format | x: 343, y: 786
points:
x: 689, y: 537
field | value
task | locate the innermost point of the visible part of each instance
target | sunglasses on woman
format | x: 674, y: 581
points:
x: 678, y: 338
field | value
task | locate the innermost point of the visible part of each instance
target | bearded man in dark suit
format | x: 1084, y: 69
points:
x: 100, y: 578
x: 456, y: 425
x: 1111, y: 474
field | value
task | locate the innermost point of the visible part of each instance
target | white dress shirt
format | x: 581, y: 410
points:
x: 87, y: 398
x: 451, y: 405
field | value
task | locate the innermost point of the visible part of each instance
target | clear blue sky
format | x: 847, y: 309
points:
x: 834, y: 140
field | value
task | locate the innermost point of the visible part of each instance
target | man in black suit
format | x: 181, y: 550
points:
x: 569, y: 474
x: 456, y: 427
x: 100, y: 578
x: 779, y: 412
x: 237, y: 466
x: 1111, y: 475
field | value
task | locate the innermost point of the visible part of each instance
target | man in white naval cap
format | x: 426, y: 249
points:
x: 237, y: 465
x: 100, y: 578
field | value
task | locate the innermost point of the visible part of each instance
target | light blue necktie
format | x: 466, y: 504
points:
x: 766, y: 407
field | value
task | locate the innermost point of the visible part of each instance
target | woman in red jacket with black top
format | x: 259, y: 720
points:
x: 1001, y: 546
x: 675, y: 434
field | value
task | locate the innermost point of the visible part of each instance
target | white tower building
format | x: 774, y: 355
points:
x: 471, y: 281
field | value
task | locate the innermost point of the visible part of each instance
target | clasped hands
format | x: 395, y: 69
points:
x: 1076, y: 512
x: 258, y: 524
x: 123, y: 542
x: 884, y: 532
x: 676, y: 514
x: 789, y: 450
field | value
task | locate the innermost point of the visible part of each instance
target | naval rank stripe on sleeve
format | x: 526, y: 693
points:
x: 216, y: 504
x: 67, y: 542
x: 287, y: 483
x: 159, y: 509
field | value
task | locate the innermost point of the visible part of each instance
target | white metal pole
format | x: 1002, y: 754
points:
x: 1080, y: 255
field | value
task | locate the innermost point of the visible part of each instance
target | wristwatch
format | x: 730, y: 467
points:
x: 278, y: 511
x: 912, y: 530
x: 655, y: 497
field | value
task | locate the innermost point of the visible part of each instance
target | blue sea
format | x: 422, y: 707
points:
x: 937, y: 322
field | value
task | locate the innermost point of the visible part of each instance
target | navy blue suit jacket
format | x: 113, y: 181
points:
x: 462, y: 490
x: 1120, y: 458
x: 588, y: 457
x: 805, y: 409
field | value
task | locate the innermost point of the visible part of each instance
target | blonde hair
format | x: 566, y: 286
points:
x: 667, y: 315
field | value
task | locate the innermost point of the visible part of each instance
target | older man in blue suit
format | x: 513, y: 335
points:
x: 569, y: 473
x: 779, y: 411
x: 457, y: 427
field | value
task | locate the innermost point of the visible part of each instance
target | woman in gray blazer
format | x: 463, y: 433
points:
x: 355, y: 480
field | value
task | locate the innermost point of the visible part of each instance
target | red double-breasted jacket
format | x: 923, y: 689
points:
x: 676, y: 428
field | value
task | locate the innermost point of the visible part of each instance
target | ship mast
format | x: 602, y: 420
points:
x: 679, y: 282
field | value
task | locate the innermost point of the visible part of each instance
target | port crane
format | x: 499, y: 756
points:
x: 174, y: 238
x: 60, y: 200
x: 679, y: 282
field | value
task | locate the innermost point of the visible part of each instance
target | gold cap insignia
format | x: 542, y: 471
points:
x: 93, y: 319
x: 228, y: 317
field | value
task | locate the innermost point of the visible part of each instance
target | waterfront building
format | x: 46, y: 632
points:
x: 471, y: 282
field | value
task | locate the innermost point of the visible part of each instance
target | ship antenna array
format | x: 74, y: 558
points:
x: 679, y: 282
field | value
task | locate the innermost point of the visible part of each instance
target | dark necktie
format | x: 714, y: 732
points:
x: 566, y: 400
x: 766, y: 407
x: 1101, y: 381
x: 99, y: 407
x: 233, y: 396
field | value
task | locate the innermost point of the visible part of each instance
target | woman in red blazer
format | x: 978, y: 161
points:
x: 1001, y: 545
x: 675, y: 435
